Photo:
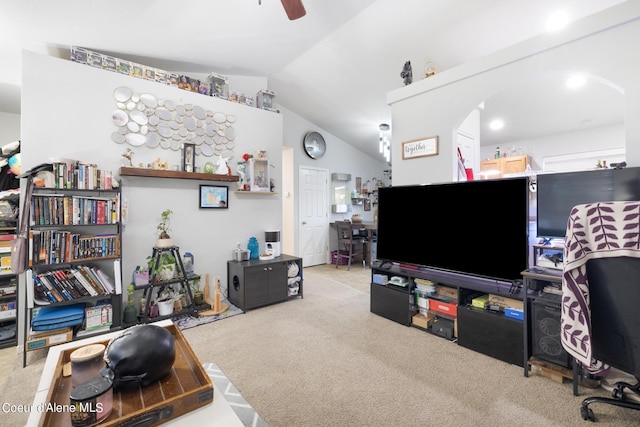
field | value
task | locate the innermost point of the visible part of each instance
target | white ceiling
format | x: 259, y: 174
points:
x: 333, y: 67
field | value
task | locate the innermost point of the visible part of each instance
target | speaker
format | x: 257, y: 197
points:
x: 545, y: 333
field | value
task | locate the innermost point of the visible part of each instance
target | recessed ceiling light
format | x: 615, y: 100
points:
x: 496, y: 124
x: 576, y: 81
x: 557, y: 20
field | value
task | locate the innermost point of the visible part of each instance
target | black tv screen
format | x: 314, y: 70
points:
x: 558, y: 193
x: 478, y: 228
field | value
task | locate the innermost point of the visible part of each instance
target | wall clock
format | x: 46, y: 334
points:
x: 314, y: 145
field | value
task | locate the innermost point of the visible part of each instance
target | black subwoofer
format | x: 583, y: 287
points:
x: 545, y: 333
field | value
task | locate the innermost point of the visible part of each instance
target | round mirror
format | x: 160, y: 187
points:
x: 121, y: 105
x: 164, y: 130
x: 211, y: 129
x: 153, y: 140
x: 227, y: 154
x: 200, y: 131
x: 166, y: 144
x: 120, y: 118
x: 139, y: 117
x: 206, y: 150
x: 149, y: 100
x: 217, y: 139
x: 135, y: 97
x: 190, y: 124
x: 207, y: 140
x: 199, y: 112
x: 144, y: 129
x: 230, y: 133
x: 163, y: 113
x: 154, y: 120
x: 231, y: 145
x: 133, y: 127
x: 140, y: 107
x: 219, y: 117
x: 122, y: 94
x: 197, y: 140
x: 175, y: 145
x: 135, y: 139
x: 169, y: 105
x: 174, y: 125
x: 231, y: 118
x: 180, y: 110
x: 117, y: 137
x: 182, y: 132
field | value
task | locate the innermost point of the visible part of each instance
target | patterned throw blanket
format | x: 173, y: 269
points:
x: 597, y: 230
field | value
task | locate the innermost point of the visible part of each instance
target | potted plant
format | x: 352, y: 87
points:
x: 130, y: 311
x: 166, y: 301
x: 164, y: 227
x: 198, y: 295
x: 165, y: 270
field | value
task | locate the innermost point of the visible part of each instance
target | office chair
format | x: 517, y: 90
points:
x: 346, y: 241
x: 601, y: 291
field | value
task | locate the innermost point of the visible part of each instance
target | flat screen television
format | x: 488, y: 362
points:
x: 477, y: 228
x: 558, y: 193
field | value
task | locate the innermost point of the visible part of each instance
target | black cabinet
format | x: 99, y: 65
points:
x: 256, y: 283
x: 391, y: 302
x: 492, y: 334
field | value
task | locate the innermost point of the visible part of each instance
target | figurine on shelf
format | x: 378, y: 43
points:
x: 240, y: 170
x: 221, y: 167
x: 128, y: 155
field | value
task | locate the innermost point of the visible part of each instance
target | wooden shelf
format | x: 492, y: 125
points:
x: 268, y: 193
x: 155, y: 173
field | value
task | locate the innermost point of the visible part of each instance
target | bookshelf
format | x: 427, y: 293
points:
x: 74, y: 255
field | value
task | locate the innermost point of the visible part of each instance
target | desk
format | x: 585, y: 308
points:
x: 219, y: 412
x: 370, y: 228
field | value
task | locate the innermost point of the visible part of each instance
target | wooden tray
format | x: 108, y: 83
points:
x: 187, y: 388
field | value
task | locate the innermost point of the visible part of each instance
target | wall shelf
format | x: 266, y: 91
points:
x: 156, y: 173
x: 268, y: 193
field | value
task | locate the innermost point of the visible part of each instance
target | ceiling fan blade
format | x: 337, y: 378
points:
x: 294, y: 9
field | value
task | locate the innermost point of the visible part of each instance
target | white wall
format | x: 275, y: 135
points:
x: 66, y: 112
x: 604, y: 45
x: 596, y: 139
x: 9, y: 128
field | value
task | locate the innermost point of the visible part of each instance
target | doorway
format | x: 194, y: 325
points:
x: 313, y: 213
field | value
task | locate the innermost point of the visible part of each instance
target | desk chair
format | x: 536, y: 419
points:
x: 346, y: 241
x: 601, y: 291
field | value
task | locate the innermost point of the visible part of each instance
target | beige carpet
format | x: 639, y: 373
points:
x: 325, y: 360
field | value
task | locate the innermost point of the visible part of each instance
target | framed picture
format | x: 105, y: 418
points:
x: 423, y: 147
x: 188, y: 157
x: 214, y: 196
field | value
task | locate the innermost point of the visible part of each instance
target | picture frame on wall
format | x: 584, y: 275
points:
x: 214, y: 196
x: 188, y: 157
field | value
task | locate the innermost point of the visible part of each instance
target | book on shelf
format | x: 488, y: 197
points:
x: 59, y: 209
x: 69, y: 284
x: 72, y: 174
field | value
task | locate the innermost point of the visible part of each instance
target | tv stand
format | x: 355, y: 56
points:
x: 487, y: 332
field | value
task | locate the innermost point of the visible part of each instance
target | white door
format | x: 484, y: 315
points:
x: 313, y: 215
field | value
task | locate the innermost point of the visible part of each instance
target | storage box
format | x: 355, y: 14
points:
x: 422, y: 299
x: 443, y: 328
x: 264, y: 99
x: 505, y: 302
x: 341, y: 261
x: 423, y: 320
x: 186, y: 388
x: 480, y: 301
x: 98, y: 316
x: 514, y: 313
x: 378, y: 279
x: 447, y: 292
x: 42, y: 339
x: 448, y: 308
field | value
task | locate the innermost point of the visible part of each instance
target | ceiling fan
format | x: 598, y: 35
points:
x: 294, y: 8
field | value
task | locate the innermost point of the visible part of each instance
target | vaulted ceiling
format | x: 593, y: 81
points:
x: 334, y: 66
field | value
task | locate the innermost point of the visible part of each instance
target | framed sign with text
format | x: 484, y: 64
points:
x: 422, y: 147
